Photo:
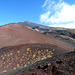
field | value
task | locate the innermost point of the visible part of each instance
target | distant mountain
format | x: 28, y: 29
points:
x: 37, y: 26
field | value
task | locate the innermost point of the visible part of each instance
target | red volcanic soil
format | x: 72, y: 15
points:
x: 16, y: 34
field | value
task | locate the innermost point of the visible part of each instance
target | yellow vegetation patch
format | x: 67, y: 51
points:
x: 28, y: 62
x: 4, y: 54
x: 0, y: 66
x: 12, y: 59
x: 51, y: 52
x: 25, y: 65
x: 28, y: 49
x: 1, y: 55
x: 14, y: 68
x: 4, y: 67
x: 27, y: 52
x: 22, y: 56
x: 53, y: 49
x: 5, y: 71
x: 44, y: 57
x: 34, y: 55
x: 49, y: 56
x: 36, y: 29
x: 7, y: 65
x: 3, y: 58
x: 11, y: 53
x: 16, y: 57
x: 18, y: 51
x: 8, y: 55
x: 20, y: 60
x: 39, y: 52
x: 18, y: 65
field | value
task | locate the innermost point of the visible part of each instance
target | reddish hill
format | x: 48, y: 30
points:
x: 16, y: 34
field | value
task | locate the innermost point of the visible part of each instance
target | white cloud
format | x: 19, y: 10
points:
x: 44, y: 16
x: 59, y: 14
x: 46, y: 3
x: 70, y: 25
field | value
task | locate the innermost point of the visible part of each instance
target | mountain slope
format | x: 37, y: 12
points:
x: 16, y: 34
x: 61, y: 34
x: 37, y: 26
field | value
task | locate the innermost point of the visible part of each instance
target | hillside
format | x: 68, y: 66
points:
x: 61, y: 34
x: 37, y: 26
x: 14, y: 57
x: 16, y: 34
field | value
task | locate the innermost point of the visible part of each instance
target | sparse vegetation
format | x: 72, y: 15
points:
x: 67, y: 33
x: 24, y: 57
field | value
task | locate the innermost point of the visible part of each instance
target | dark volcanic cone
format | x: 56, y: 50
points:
x: 16, y: 34
x: 15, y: 57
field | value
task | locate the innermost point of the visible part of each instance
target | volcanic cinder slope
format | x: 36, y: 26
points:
x: 36, y: 59
x: 16, y: 34
x: 14, y: 57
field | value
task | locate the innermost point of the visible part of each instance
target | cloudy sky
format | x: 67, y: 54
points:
x: 58, y: 13
x: 55, y: 13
